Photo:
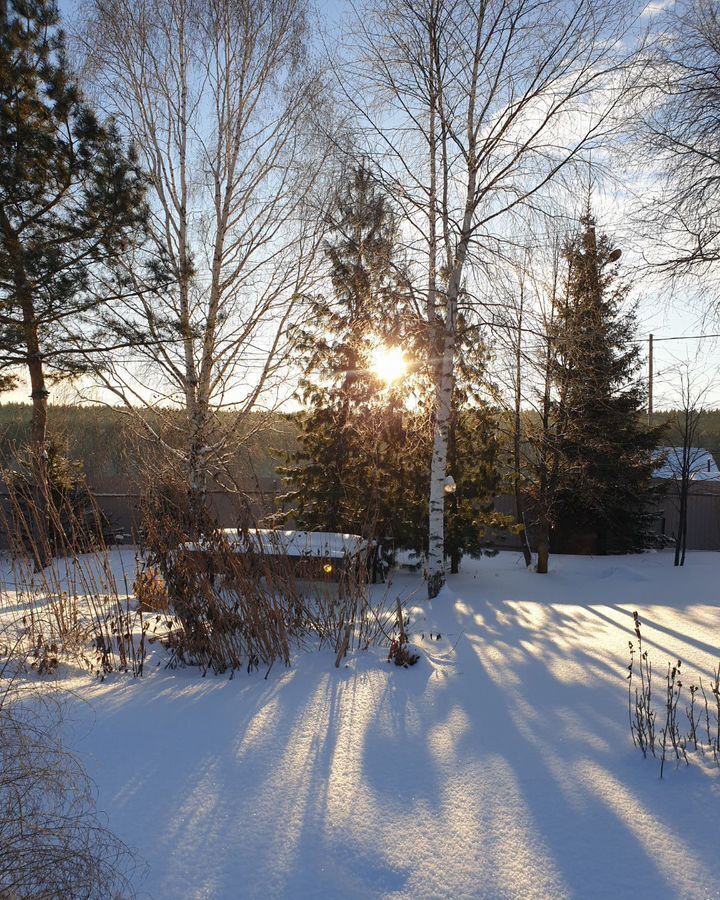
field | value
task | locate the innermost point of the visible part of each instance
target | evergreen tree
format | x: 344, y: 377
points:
x: 364, y: 459
x: 75, y: 522
x: 472, y: 456
x: 71, y: 205
x: 606, y: 447
x: 353, y: 423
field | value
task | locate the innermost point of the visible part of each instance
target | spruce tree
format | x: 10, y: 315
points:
x: 603, y: 504
x: 71, y: 206
x: 340, y: 475
x: 472, y: 456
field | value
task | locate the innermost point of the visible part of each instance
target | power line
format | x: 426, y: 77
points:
x: 678, y: 337
x: 652, y: 340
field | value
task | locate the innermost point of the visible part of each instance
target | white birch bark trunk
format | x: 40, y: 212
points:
x: 438, y: 471
x: 445, y: 385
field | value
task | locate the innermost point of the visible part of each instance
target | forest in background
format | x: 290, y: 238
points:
x: 100, y: 437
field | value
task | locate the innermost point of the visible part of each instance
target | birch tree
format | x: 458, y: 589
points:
x: 680, y: 212
x: 510, y: 324
x: 217, y: 95
x: 539, y: 389
x: 474, y: 110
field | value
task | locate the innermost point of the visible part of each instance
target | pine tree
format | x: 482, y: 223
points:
x: 603, y: 503
x: 71, y: 205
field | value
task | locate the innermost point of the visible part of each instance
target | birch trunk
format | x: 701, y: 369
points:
x: 517, y: 437
x: 455, y: 261
x: 444, y: 387
x: 443, y: 405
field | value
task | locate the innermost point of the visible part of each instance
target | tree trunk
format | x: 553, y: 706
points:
x: 524, y: 540
x: 543, y: 549
x: 684, y: 491
x: 24, y: 296
x: 40, y: 515
x: 519, y: 512
x: 436, y: 547
x: 197, y: 474
x: 39, y: 394
x: 681, y: 541
x: 438, y: 471
x: 454, y: 562
x: 443, y: 407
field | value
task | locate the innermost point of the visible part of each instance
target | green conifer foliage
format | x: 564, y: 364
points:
x: 472, y: 457
x: 71, y: 207
x: 354, y: 424
x: 604, y: 503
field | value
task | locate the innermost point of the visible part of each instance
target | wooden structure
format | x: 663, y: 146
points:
x: 312, y: 556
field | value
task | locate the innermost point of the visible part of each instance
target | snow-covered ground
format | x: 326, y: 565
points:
x: 501, y: 765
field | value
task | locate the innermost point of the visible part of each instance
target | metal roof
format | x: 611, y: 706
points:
x: 702, y: 464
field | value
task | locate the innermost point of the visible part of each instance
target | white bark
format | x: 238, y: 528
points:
x: 443, y: 401
x: 218, y: 99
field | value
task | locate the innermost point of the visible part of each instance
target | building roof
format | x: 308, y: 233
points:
x: 702, y: 464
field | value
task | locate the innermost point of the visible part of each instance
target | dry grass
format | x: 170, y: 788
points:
x: 208, y: 604
x: 72, y: 606
x: 670, y: 740
x: 247, y: 610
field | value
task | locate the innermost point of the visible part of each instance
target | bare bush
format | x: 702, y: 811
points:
x: 71, y: 604
x: 222, y: 602
x: 53, y: 845
x: 239, y: 601
x: 672, y: 739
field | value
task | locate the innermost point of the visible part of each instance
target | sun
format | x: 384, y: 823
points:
x: 388, y: 363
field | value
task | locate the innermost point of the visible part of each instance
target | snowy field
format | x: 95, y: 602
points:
x: 500, y: 766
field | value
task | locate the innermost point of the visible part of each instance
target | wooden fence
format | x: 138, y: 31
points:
x: 260, y: 499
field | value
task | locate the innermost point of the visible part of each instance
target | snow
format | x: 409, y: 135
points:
x: 702, y: 463
x: 326, y: 544
x: 500, y: 766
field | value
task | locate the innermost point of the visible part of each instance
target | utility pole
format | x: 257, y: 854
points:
x: 650, y: 379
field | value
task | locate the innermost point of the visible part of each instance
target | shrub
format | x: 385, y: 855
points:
x: 703, y: 718
x: 52, y: 842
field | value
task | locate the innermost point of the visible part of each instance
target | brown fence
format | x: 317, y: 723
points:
x: 122, y: 509
x: 703, y: 515
x: 703, y: 524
